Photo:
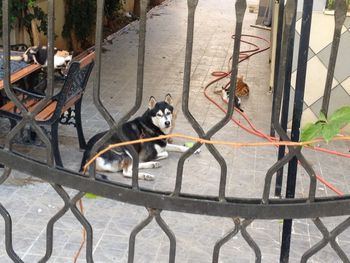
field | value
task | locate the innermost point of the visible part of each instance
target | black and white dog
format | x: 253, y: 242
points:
x: 38, y: 54
x: 157, y: 120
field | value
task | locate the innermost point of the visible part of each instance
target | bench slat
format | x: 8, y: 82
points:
x: 11, y: 106
x: 87, y: 59
x: 47, y: 112
x: 21, y: 74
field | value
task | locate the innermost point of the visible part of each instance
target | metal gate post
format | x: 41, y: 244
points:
x: 277, y: 59
x: 297, y: 112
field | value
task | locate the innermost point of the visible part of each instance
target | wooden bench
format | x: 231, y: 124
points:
x: 60, y: 107
x: 21, y: 74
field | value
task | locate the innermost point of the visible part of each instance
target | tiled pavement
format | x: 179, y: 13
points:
x: 32, y: 203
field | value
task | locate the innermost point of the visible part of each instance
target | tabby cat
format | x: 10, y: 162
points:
x: 242, y: 88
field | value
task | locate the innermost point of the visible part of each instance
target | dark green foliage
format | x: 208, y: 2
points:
x: 21, y: 16
x: 80, y: 18
x: 111, y: 8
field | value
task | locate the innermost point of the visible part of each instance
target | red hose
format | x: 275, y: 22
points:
x: 244, y: 55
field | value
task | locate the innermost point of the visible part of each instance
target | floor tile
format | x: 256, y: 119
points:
x: 339, y: 98
x: 315, y: 81
x: 346, y: 85
x: 342, y: 70
x: 322, y: 28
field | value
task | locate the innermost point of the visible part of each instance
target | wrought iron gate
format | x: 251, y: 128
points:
x: 244, y: 211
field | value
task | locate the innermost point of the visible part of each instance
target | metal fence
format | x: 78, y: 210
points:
x: 244, y: 211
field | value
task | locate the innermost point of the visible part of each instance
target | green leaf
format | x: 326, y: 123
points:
x: 329, y: 131
x: 341, y: 116
x: 90, y: 196
x: 311, y: 131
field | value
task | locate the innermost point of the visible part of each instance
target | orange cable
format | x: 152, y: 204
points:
x: 205, y: 141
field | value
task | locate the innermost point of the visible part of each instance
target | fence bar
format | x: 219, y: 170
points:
x: 248, y: 208
x: 8, y: 233
x: 50, y: 70
x: 250, y: 241
x: 289, y: 11
x: 27, y: 117
x: 191, y: 4
x: 50, y: 225
x: 6, y: 45
x: 240, y: 8
x: 139, y: 88
x: 98, y: 52
x: 50, y: 79
x: 137, y: 229
x: 339, y: 18
x: 227, y: 237
x: 50, y: 46
x: 172, y: 239
x: 6, y: 55
x: 285, y: 105
x: 97, y: 83
x: 277, y: 60
x: 85, y: 223
x: 329, y: 237
x: 297, y: 112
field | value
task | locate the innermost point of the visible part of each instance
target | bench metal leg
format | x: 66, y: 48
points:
x: 78, y: 125
x: 54, y: 144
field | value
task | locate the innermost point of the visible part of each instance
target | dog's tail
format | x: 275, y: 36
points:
x: 94, y: 139
x: 84, y: 161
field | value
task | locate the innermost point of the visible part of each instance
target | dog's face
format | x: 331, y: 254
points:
x: 162, y: 113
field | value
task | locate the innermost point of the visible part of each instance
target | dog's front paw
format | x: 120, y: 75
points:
x: 146, y: 177
x: 156, y: 164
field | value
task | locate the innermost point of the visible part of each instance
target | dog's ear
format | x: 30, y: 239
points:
x: 152, y: 102
x: 168, y: 99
